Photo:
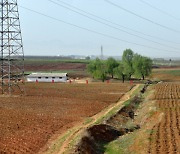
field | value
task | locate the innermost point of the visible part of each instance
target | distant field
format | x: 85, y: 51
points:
x: 75, y: 68
x: 172, y: 72
x: 55, y: 60
x: 167, y: 62
x: 28, y: 122
x: 167, y: 74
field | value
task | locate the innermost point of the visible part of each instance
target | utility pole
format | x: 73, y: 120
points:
x: 11, y: 53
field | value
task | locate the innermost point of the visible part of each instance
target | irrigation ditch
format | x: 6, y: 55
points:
x: 97, y: 136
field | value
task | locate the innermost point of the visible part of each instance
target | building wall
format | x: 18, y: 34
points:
x: 47, y: 79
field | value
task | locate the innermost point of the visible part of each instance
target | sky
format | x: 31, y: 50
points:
x: 150, y: 28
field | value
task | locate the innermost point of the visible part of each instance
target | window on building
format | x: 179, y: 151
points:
x: 39, y: 77
x: 60, y: 77
x: 46, y: 77
x: 53, y: 77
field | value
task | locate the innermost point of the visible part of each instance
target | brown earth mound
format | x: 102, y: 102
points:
x: 97, y: 136
x: 125, y: 114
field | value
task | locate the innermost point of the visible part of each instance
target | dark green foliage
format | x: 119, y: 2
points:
x: 127, y: 60
x: 97, y: 69
x: 131, y: 64
x: 119, y: 72
x: 142, y: 66
x: 88, y: 58
x: 111, y: 64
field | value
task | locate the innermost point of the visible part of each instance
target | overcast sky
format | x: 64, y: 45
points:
x: 45, y: 36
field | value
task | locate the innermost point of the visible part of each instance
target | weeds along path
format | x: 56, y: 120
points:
x: 78, y: 129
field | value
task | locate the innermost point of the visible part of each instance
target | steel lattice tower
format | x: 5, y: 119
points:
x: 11, y: 53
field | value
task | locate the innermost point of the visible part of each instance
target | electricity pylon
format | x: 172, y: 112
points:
x: 11, y: 53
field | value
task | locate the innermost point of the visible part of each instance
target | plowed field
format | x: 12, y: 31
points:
x: 165, y: 136
x: 28, y: 122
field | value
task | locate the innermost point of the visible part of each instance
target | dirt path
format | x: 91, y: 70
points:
x: 82, y: 126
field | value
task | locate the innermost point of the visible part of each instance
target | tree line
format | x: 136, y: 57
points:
x: 132, y: 64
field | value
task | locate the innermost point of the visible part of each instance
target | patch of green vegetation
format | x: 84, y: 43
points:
x: 113, y: 149
x: 148, y: 92
x: 117, y: 108
x: 73, y: 142
x: 137, y: 90
x: 172, y: 72
x: 88, y: 120
x: 120, y: 145
x: 123, y: 144
x: 56, y: 146
x: 109, y: 114
x: 126, y: 103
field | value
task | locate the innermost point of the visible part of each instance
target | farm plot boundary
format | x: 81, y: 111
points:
x: 65, y: 142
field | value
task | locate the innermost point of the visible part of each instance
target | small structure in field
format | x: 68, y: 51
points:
x: 47, y: 77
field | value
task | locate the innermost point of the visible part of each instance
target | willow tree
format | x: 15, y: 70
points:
x: 142, y: 66
x: 111, y: 64
x: 119, y: 72
x: 97, y: 69
x: 127, y: 61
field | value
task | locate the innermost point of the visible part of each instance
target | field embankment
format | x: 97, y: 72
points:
x: 98, y: 136
x: 159, y: 120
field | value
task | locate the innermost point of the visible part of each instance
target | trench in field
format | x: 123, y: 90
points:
x: 96, y: 137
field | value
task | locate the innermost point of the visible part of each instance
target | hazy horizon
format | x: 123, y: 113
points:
x: 166, y: 58
x: 59, y: 31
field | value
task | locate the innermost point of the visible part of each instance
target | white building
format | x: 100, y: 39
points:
x: 47, y: 77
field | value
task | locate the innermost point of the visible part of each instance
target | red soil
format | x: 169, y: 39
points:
x: 54, y: 66
x: 28, y: 122
x: 165, y: 136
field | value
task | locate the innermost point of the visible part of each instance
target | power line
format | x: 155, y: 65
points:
x: 139, y: 16
x: 92, y: 31
x: 162, y: 11
x: 162, y: 39
x: 164, y: 45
